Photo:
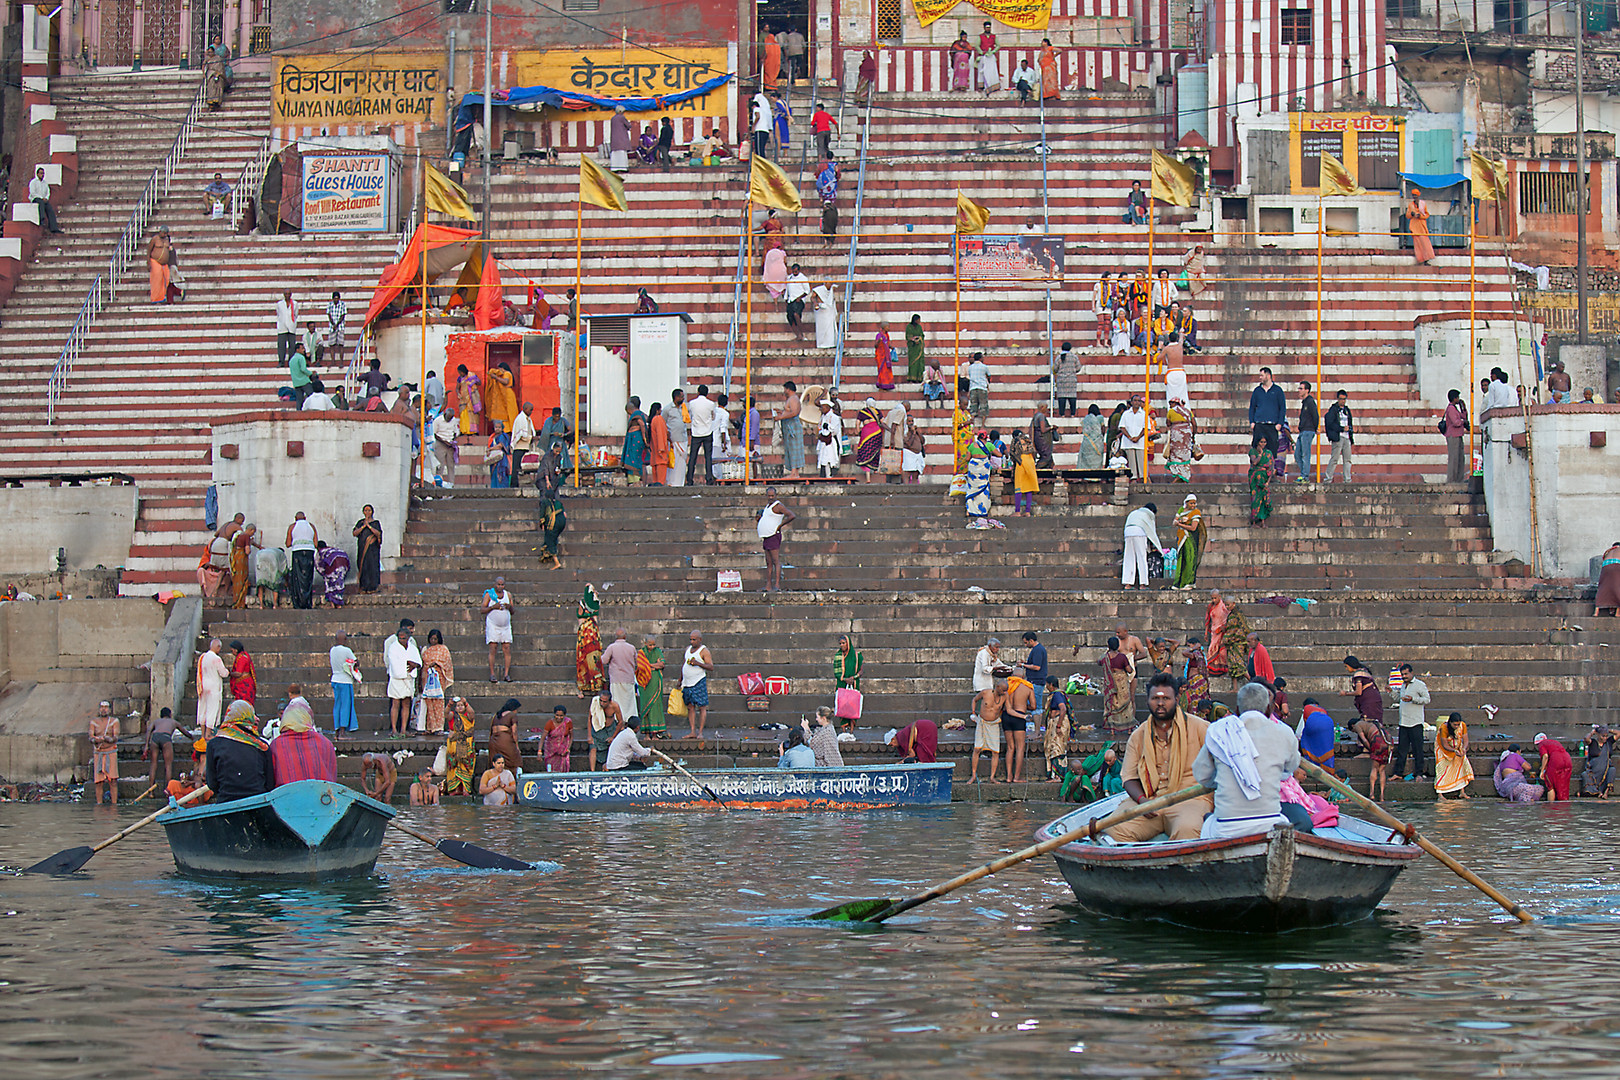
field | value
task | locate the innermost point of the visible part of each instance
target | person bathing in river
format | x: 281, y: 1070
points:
x: 378, y: 774
x: 1246, y: 757
x: 425, y: 792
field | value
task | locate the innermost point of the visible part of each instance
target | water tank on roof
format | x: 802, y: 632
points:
x: 1192, y: 100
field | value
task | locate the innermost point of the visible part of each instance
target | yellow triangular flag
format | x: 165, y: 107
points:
x: 1336, y: 179
x: 769, y: 185
x: 1173, y: 181
x: 446, y: 196
x: 970, y: 216
x: 599, y: 187
x: 1490, y: 177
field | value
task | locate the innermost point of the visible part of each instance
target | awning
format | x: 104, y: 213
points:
x: 534, y: 97
x: 1436, y: 180
x: 443, y: 246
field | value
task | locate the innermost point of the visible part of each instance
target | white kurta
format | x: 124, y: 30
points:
x: 826, y: 319
x: 211, y: 676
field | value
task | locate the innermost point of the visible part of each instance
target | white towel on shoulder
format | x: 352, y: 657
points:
x: 1228, y: 741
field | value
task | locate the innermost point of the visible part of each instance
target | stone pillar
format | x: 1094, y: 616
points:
x: 1587, y: 366
x: 138, y: 31
x: 185, y: 35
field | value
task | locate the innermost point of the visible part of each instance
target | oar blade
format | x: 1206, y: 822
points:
x: 483, y: 858
x: 852, y: 911
x: 63, y: 862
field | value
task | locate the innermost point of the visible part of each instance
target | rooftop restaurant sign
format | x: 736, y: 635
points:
x: 360, y: 89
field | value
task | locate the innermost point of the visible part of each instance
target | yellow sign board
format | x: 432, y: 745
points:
x: 631, y: 72
x: 1371, y: 146
x: 1018, y: 14
x: 359, y: 89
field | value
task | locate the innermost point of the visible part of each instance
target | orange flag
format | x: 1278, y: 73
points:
x: 488, y: 309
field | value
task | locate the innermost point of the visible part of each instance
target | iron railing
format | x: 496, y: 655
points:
x: 104, y: 289
x: 251, y: 179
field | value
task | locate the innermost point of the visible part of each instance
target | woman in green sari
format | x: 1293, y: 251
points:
x: 847, y: 664
x: 914, y: 350
x: 650, y: 694
x: 1192, y: 535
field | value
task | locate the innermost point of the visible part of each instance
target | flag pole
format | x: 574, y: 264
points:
x: 1316, y: 437
x: 1147, y: 346
x: 421, y: 411
x: 956, y: 374
x: 1472, y: 333
x: 578, y: 313
x: 748, y: 329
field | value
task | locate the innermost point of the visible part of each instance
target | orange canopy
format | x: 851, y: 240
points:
x: 488, y: 309
x: 435, y: 248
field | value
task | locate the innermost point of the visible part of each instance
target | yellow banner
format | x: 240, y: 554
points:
x: 633, y: 72
x: 1173, y: 181
x: 1018, y: 14
x: 331, y: 89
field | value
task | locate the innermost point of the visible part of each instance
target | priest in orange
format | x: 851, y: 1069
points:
x: 1417, y: 219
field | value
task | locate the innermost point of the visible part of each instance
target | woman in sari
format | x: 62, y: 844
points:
x: 588, y: 645
x: 961, y: 57
x: 1509, y: 777
x: 633, y: 455
x: 772, y: 229
x: 884, y: 354
x: 978, y: 485
x: 1216, y: 615
x: 553, y: 519
x: 783, y: 117
x: 1190, y: 666
x: 961, y: 440
x: 869, y: 446
x: 469, y: 401
x: 500, y: 401
x: 1598, y: 773
x: 500, y: 469
x: 556, y: 748
x: 436, y: 666
x: 1119, y: 687
x: 650, y: 690
x: 1452, y: 770
x: 770, y: 68
x: 213, y: 81
x: 1092, y: 439
x: 1237, y: 647
x: 333, y: 564
x: 1192, y: 270
x: 1556, y: 767
x: 1111, y: 434
x: 503, y: 735
x: 776, y: 273
x: 244, y: 679
x: 158, y: 255
x: 368, y: 532
x: 460, y: 750
x: 847, y: 664
x: 1051, y: 85
x: 242, y: 544
x: 1192, y: 534
x: 915, y: 341
x: 1260, y: 474
x: 1181, y: 440
x: 658, y: 438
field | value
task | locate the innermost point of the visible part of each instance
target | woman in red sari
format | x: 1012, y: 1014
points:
x: 244, y: 680
x: 1215, y: 616
x: 588, y: 645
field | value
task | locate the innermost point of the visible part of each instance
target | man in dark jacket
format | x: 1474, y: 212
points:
x: 1341, y: 435
x: 1268, y: 411
x: 1305, y: 441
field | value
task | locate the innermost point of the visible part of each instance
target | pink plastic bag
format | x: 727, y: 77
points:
x: 847, y: 704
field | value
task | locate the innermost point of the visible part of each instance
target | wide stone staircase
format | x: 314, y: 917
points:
x: 1392, y: 575
x: 153, y: 378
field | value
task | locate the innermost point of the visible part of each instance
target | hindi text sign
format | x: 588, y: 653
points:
x: 362, y: 90
x: 637, y: 73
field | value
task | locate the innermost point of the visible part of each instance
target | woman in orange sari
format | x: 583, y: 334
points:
x: 158, y: 252
x: 772, y: 67
x: 1050, y: 84
x: 658, y: 434
x: 1417, y: 219
x: 500, y: 400
x: 242, y: 544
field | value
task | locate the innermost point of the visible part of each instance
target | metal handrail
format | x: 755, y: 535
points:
x: 104, y: 289
x: 854, y: 247
x: 251, y: 178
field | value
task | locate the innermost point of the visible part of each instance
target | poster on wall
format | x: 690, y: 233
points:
x: 1018, y: 14
x: 1369, y: 145
x: 615, y: 73
x: 346, y: 192
x: 985, y: 260
x: 359, y: 90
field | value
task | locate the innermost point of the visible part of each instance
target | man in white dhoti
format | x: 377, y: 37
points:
x: 211, y: 676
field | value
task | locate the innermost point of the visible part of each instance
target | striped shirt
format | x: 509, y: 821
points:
x: 302, y: 755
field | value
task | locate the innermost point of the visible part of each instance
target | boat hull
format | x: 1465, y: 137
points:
x: 1263, y: 883
x: 858, y: 787
x: 308, y: 831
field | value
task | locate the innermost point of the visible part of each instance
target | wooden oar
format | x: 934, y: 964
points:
x: 66, y: 862
x: 147, y: 792
x: 879, y: 910
x: 1406, y: 830
x: 463, y: 852
x: 707, y: 790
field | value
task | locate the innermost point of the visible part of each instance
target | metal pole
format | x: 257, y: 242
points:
x: 1046, y: 229
x: 748, y: 349
x: 1580, y: 175
x: 575, y: 324
x: 956, y: 375
x: 1316, y: 456
x: 1147, y: 346
x: 489, y: 113
x: 1473, y: 331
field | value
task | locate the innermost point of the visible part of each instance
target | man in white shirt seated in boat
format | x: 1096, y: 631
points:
x: 1246, y: 757
x: 1159, y: 760
x: 626, y: 751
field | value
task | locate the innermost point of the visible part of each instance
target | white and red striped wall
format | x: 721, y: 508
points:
x: 1248, y: 63
x: 926, y: 69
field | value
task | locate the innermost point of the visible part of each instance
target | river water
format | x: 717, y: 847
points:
x: 665, y: 946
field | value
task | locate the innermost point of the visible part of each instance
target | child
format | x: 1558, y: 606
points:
x: 987, y: 727
x: 1370, y: 734
x: 1025, y: 481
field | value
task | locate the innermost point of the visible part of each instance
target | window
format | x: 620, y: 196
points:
x: 1548, y: 193
x: 1403, y: 9
x: 1296, y: 26
x: 582, y: 5
x: 889, y: 20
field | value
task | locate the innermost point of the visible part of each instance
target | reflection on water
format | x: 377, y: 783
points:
x: 676, y: 945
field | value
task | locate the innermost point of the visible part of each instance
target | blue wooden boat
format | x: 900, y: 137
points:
x: 852, y: 787
x: 311, y: 830
x: 1262, y: 883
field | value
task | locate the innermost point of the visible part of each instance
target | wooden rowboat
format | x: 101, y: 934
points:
x: 1277, y: 880
x: 311, y: 830
x: 853, y: 787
